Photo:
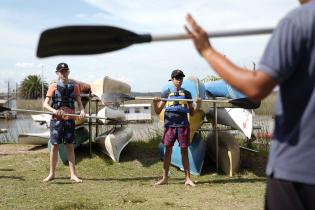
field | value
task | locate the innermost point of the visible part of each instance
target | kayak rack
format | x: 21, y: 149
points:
x: 91, y: 123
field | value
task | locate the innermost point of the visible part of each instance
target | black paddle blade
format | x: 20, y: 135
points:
x: 2, y: 109
x: 83, y: 40
x: 245, y: 103
x: 116, y: 97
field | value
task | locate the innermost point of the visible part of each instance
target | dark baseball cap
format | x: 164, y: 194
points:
x: 61, y: 66
x: 177, y: 73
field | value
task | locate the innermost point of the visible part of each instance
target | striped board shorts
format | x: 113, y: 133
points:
x: 181, y: 134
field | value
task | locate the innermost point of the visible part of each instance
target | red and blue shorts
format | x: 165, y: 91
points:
x: 62, y: 131
x: 181, y: 134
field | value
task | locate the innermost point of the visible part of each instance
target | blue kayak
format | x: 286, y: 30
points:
x: 196, y: 155
x: 192, y: 84
x: 220, y: 88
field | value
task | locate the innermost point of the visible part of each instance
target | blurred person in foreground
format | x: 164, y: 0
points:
x: 288, y: 61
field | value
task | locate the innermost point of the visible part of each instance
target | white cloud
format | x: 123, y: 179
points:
x: 24, y: 65
x: 146, y: 67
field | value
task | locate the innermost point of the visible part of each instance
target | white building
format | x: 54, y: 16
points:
x: 137, y: 112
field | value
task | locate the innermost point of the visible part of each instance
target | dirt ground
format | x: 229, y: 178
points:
x: 12, y: 149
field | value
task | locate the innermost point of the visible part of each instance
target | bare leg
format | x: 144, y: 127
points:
x: 52, y: 162
x: 185, y: 161
x: 166, y: 166
x: 71, y: 159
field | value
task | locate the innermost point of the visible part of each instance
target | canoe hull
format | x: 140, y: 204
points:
x: 220, y: 88
x: 111, y: 114
x: 229, y: 152
x: 113, y: 143
x: 109, y: 85
x: 34, y: 138
x: 237, y: 118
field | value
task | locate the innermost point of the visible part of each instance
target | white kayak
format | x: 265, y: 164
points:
x: 34, y: 138
x: 109, y: 85
x: 113, y: 143
x: 3, y: 130
x: 237, y: 118
x: 42, y: 118
x: 108, y: 113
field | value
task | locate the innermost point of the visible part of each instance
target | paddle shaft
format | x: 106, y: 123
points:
x: 228, y: 33
x: 191, y: 100
x: 51, y: 113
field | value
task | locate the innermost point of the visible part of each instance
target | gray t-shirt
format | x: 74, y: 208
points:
x: 289, y: 58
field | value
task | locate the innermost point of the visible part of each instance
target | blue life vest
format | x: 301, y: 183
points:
x: 177, y: 106
x: 64, y: 95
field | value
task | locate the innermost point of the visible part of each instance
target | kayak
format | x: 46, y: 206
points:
x: 238, y: 118
x: 220, y: 88
x: 45, y: 119
x: 109, y: 85
x: 196, y: 155
x: 229, y: 152
x: 113, y: 142
x: 108, y: 113
x: 34, y: 138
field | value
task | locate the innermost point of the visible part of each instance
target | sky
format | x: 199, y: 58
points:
x: 145, y: 67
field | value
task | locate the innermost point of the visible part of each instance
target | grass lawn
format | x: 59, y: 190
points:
x: 124, y: 185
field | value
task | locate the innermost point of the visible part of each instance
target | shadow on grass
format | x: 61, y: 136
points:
x: 39, y: 147
x: 21, y: 178
x: 7, y: 169
x: 61, y: 181
x: 124, y: 179
x: 233, y: 180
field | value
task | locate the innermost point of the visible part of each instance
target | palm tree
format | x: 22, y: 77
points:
x: 31, y: 87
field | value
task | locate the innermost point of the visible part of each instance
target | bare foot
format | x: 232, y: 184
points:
x: 49, y: 178
x: 161, y: 182
x: 76, y: 179
x: 189, y: 183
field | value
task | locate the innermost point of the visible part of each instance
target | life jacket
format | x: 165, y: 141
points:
x: 64, y: 95
x: 177, y: 106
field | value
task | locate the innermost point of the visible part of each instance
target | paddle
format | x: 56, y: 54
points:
x: 82, y: 40
x: 120, y: 97
x: 2, y: 109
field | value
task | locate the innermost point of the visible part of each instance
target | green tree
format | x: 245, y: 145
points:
x: 31, y: 87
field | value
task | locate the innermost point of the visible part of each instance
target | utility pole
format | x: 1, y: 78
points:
x: 42, y: 79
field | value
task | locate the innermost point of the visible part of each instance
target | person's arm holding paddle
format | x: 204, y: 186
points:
x: 158, y: 105
x: 255, y: 84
